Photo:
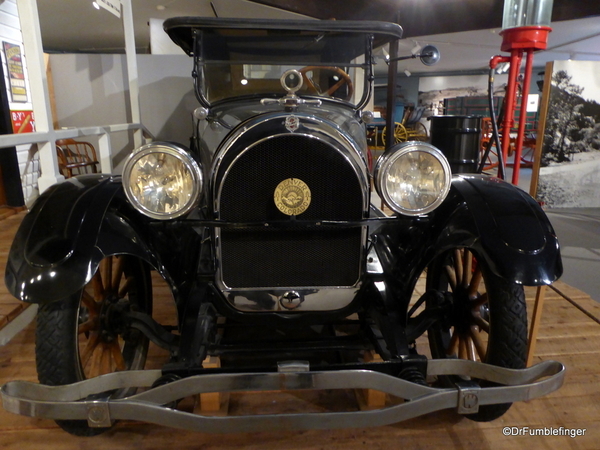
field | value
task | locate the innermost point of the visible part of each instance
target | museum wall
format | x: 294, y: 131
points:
x: 433, y: 90
x: 90, y: 91
x: 408, y: 90
x: 430, y: 91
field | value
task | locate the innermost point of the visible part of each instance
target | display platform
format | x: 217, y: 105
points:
x: 566, y: 334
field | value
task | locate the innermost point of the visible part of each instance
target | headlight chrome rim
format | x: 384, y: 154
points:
x: 390, y: 157
x: 173, y: 150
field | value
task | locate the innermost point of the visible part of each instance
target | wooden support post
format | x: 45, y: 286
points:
x: 370, y: 398
x: 212, y: 403
x: 535, y: 322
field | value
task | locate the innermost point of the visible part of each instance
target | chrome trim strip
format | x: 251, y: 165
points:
x: 374, y: 266
x: 267, y: 299
x: 217, y: 196
x: 69, y: 401
x: 320, y: 126
x: 327, y: 298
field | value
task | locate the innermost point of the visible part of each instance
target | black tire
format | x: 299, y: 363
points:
x: 76, y: 341
x: 488, y: 322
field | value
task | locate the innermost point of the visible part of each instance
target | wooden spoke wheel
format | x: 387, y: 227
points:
x: 528, y: 152
x: 486, y: 320
x: 418, y: 132
x: 104, y: 346
x: 86, y: 335
x: 400, y: 134
x: 491, y: 162
x: 310, y: 74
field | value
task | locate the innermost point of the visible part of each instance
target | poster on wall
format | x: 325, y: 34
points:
x: 16, y: 74
x: 22, y: 121
x: 569, y: 173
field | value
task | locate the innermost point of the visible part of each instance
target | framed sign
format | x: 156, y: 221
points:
x: 22, y: 121
x: 16, y: 75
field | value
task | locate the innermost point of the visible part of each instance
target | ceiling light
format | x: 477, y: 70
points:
x: 416, y: 49
x: 161, y: 7
x: 95, y: 5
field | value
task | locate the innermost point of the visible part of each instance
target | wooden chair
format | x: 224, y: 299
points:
x: 76, y: 158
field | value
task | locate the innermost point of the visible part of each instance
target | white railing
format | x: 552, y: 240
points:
x: 45, y: 138
x: 48, y: 139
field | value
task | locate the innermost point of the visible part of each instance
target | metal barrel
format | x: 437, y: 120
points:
x: 458, y: 137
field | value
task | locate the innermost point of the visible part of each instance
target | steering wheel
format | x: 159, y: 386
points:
x: 314, y: 86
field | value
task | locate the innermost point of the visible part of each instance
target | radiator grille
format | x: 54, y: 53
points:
x: 294, y: 256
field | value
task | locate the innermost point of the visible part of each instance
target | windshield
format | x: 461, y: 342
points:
x: 246, y: 57
x: 222, y: 81
x: 233, y: 63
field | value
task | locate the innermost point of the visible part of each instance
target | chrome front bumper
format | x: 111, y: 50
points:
x: 74, y: 401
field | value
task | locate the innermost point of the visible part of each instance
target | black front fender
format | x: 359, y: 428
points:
x: 514, y: 234
x: 500, y: 222
x: 61, y: 241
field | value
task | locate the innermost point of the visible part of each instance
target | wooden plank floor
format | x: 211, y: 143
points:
x: 9, y: 221
x: 566, y: 335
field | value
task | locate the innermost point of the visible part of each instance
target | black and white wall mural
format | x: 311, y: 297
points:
x: 569, y: 175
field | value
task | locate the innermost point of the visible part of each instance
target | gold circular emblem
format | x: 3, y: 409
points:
x: 292, y: 196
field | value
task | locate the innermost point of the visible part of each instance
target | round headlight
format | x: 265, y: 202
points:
x: 413, y: 178
x: 162, y: 180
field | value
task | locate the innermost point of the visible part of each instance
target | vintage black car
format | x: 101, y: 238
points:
x: 278, y: 261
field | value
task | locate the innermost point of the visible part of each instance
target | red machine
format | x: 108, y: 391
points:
x: 524, y: 30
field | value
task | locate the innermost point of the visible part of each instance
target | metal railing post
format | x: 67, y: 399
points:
x: 105, y: 153
x: 132, y: 72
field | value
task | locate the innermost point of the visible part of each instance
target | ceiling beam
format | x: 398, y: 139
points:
x: 426, y: 17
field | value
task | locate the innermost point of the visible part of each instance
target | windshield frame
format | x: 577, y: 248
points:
x: 191, y: 33
x: 201, y: 66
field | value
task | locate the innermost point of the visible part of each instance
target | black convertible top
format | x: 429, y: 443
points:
x: 181, y: 29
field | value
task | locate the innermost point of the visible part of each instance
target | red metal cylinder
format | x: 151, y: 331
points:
x: 510, y: 98
x: 529, y: 37
x: 518, y: 40
x: 522, y: 118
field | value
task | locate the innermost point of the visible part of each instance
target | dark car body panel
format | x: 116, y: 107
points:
x: 50, y: 265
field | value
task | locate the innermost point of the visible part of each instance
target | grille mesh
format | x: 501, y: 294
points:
x: 291, y: 257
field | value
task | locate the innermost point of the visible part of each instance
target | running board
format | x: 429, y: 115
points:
x: 82, y: 400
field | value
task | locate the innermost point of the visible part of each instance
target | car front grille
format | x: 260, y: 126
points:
x: 294, y: 256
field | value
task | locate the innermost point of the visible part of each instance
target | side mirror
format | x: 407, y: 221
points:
x: 430, y: 55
